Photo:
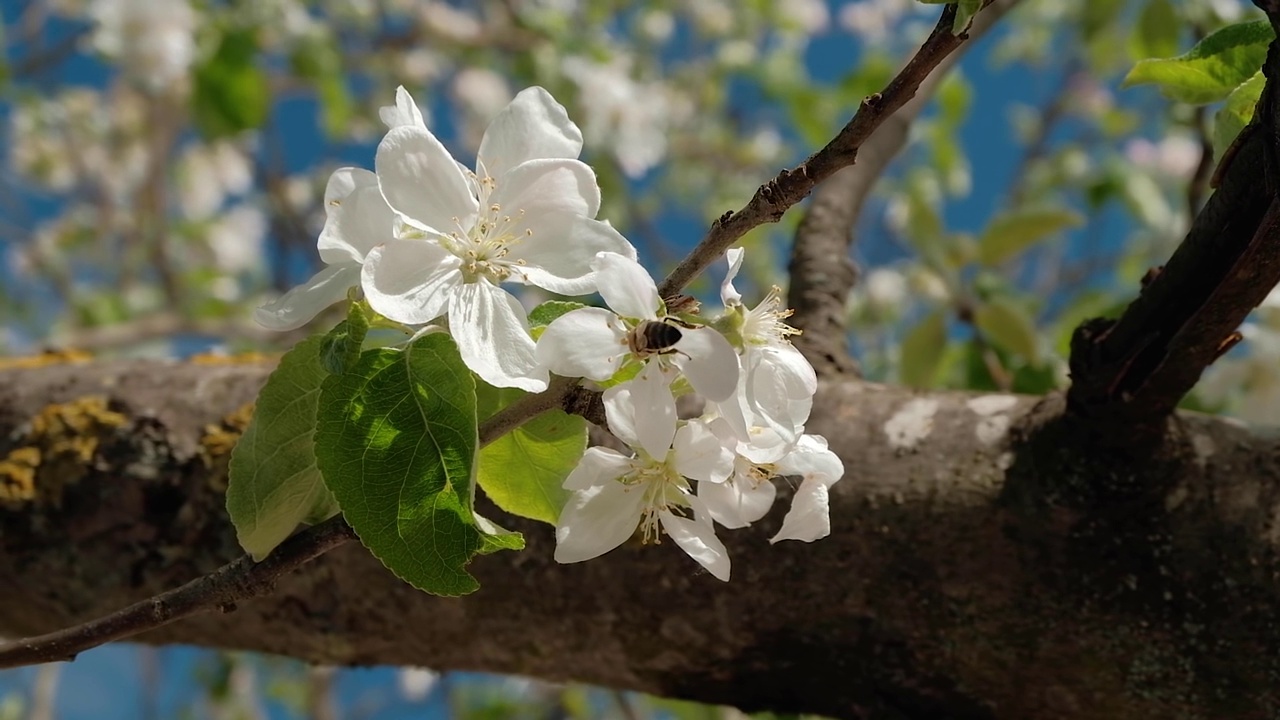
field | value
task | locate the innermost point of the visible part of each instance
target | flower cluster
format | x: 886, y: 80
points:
x: 431, y: 242
x: 685, y: 477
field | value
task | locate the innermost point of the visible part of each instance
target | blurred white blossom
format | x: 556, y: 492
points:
x: 630, y: 117
x: 1173, y: 156
x: 810, y: 16
x: 236, y: 239
x: 451, y: 22
x: 153, y: 41
x: 208, y: 175
x: 482, y: 93
x: 873, y: 20
x: 712, y: 17
x: 657, y: 25
x: 416, y: 683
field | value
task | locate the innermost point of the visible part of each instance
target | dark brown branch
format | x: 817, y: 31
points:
x: 822, y: 273
x: 1135, y: 370
x: 791, y: 186
x: 236, y: 582
x: 969, y: 572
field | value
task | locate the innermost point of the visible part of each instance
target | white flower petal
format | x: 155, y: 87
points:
x: 404, y: 112
x: 298, y: 306
x: 537, y: 188
x: 357, y: 218
x: 642, y: 412
x: 700, y: 454
x: 410, y: 281
x: 599, y: 466
x: 809, y: 518
x: 597, y: 520
x: 422, y: 182
x: 729, y: 295
x: 812, y: 460
x: 626, y: 286
x: 699, y: 541
x: 492, y: 333
x: 709, y: 361
x: 532, y: 126
x: 558, y: 255
x: 588, y: 342
x: 739, y: 502
x: 780, y: 388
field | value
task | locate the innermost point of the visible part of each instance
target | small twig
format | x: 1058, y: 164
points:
x: 240, y: 580
x: 525, y: 409
x: 791, y: 186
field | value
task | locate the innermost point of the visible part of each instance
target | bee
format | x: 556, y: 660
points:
x: 653, y: 337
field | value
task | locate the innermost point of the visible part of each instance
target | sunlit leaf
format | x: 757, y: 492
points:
x: 922, y: 351
x: 523, y: 471
x: 273, y: 483
x: 1013, y: 232
x: 1213, y: 68
x: 396, y: 441
x: 1009, y: 327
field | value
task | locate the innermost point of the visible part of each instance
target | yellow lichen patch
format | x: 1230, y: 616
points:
x: 220, y: 438
x: 48, y: 357
x: 58, y: 448
x: 18, y: 475
x: 246, y: 358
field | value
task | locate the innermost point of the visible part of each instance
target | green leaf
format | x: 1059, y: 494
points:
x: 341, y: 346
x: 548, y: 311
x: 231, y: 93
x: 523, y: 471
x: 1157, y: 31
x: 1213, y: 68
x: 922, y: 351
x: 1013, y: 232
x: 1235, y: 113
x: 273, y: 482
x: 1009, y: 327
x: 965, y: 10
x: 396, y: 441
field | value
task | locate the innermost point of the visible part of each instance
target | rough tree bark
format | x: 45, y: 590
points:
x: 977, y: 565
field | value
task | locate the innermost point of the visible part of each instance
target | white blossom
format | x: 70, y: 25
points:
x: 153, y: 40
x: 357, y: 219
x: 595, y: 343
x: 777, y: 384
x: 614, y: 494
x: 526, y: 215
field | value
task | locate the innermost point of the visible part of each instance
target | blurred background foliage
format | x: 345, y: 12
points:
x: 163, y: 163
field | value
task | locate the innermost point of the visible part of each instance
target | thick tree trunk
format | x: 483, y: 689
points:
x: 973, y: 570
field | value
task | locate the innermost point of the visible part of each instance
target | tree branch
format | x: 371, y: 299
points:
x: 235, y: 582
x: 972, y: 570
x: 789, y: 187
x: 1132, y: 372
x: 822, y: 274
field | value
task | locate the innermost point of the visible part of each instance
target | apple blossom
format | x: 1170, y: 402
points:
x: 526, y: 216
x: 614, y: 494
x: 595, y: 343
x: 778, y: 383
x: 357, y: 219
